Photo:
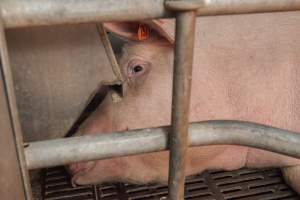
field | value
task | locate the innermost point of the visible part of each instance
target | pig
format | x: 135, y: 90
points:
x: 246, y: 67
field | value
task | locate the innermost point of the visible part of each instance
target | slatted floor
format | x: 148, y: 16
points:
x: 245, y: 184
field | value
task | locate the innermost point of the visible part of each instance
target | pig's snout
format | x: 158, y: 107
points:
x: 80, y: 168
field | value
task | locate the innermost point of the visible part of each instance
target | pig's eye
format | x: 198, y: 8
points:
x: 137, y: 68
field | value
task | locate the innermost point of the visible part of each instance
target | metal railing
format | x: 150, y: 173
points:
x: 16, y: 13
x: 21, y: 13
x: 63, y: 151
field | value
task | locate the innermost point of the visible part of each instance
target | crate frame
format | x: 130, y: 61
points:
x: 16, y: 13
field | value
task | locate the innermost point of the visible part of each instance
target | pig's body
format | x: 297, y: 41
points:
x: 245, y: 68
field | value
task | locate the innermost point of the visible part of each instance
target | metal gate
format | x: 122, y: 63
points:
x: 21, y: 158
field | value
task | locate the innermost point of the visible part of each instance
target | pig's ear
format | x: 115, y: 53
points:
x: 139, y: 31
x: 164, y: 27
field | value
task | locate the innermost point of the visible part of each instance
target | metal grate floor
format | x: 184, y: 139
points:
x: 245, y: 184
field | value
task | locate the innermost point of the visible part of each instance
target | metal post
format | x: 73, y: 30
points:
x: 183, y: 63
x: 12, y: 119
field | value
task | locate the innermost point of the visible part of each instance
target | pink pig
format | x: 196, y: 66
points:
x: 246, y: 67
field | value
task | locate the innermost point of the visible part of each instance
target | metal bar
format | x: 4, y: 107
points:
x: 13, y: 117
x: 21, y: 13
x: 76, y: 149
x: 110, y: 53
x: 182, y: 76
x: 10, y: 179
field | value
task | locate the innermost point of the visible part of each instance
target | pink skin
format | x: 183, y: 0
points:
x: 245, y: 68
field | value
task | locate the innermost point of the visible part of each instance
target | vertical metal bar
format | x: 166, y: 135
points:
x: 10, y: 179
x: 178, y: 141
x: 13, y: 118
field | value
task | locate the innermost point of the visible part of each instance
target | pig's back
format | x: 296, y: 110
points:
x: 247, y: 68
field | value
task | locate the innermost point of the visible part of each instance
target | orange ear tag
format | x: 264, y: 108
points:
x: 143, y: 32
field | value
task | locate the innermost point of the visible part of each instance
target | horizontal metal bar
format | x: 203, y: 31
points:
x: 69, y: 150
x: 21, y: 13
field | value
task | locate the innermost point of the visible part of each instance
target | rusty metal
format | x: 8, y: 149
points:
x: 22, y: 13
x: 250, y: 184
x: 14, y: 174
x: 64, y: 151
x: 182, y: 77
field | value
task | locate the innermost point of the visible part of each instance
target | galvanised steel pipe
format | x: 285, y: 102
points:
x: 22, y: 13
x: 69, y: 150
x: 182, y: 77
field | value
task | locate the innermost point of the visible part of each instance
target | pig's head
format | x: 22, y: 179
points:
x: 146, y: 64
